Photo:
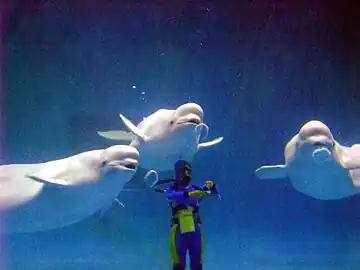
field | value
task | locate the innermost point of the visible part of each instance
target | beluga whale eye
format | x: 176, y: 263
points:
x: 103, y: 164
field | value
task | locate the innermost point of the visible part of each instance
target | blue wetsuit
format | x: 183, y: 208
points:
x: 186, y: 234
x: 183, y: 239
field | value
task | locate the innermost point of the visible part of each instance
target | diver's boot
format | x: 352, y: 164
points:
x: 179, y: 267
x: 199, y: 267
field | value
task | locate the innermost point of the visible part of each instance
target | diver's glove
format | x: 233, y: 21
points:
x: 195, y: 193
x: 210, y: 188
x: 208, y: 185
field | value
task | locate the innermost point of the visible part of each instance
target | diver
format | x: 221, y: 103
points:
x: 186, y: 233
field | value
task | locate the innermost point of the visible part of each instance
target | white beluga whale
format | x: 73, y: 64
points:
x: 166, y: 136
x: 317, y: 165
x: 54, y: 194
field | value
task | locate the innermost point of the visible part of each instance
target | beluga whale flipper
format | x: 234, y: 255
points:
x: 166, y: 136
x: 317, y: 165
x: 54, y: 194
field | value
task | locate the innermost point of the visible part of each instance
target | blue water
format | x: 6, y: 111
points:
x: 259, y: 70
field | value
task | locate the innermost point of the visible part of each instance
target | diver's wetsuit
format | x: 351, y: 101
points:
x: 186, y: 236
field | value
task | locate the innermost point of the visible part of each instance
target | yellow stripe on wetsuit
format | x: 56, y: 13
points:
x: 186, y: 221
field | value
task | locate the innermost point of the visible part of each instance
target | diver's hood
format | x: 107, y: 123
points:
x: 179, y: 168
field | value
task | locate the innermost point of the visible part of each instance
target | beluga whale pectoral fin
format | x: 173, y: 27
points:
x: 210, y: 143
x: 117, y: 135
x: 355, y: 177
x: 55, y: 181
x: 271, y: 172
x: 83, y: 168
x: 64, y: 174
x: 134, y: 129
x: 119, y: 203
x: 350, y: 156
x: 350, y: 159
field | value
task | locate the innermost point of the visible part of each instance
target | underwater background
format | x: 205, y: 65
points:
x: 259, y: 69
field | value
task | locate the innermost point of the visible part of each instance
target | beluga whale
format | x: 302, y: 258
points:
x: 317, y: 165
x: 166, y: 136
x: 58, y: 193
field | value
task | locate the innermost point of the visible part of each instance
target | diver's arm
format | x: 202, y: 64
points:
x: 176, y: 195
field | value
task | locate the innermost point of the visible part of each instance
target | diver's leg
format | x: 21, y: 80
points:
x: 177, y: 249
x: 196, y: 249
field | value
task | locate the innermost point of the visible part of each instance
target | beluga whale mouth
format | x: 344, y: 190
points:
x: 320, y: 144
x: 128, y: 165
x: 191, y: 119
x: 195, y: 121
x: 126, y: 159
